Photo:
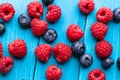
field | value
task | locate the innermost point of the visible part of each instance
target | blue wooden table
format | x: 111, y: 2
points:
x: 30, y: 68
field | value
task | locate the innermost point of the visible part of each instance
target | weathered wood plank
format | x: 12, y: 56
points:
x: 23, y: 68
x: 70, y: 14
x: 112, y: 36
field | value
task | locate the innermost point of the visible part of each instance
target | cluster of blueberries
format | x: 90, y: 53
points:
x: 78, y: 49
x: 86, y: 60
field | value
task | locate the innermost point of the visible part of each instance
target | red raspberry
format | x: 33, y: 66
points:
x: 6, y: 64
x: 18, y: 48
x: 104, y: 15
x: 62, y: 52
x: 74, y: 32
x: 53, y: 73
x: 43, y: 52
x: 7, y: 11
x: 86, y: 6
x: 54, y: 13
x: 96, y: 74
x: 39, y: 27
x: 35, y: 9
x: 103, y: 49
x: 99, y: 30
x: 1, y: 50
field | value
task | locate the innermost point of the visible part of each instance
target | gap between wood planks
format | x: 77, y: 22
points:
x: 35, y: 57
x: 37, y: 45
x: 35, y: 62
x: 83, y: 40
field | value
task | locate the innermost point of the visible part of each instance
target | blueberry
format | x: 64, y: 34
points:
x: 47, y: 2
x: 107, y: 63
x: 116, y: 15
x: 24, y: 20
x: 78, y: 48
x: 2, y: 28
x: 86, y: 60
x: 118, y: 63
x: 50, y: 35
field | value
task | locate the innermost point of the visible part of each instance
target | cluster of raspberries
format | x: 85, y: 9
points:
x: 103, y: 48
x: 99, y: 29
x: 40, y: 27
x: 35, y: 10
x: 62, y: 52
x: 18, y: 49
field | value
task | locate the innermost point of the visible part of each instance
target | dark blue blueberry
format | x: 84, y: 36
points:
x: 78, y: 48
x: 107, y: 63
x: 118, y: 63
x: 2, y: 28
x: 116, y: 15
x: 24, y: 20
x: 86, y: 60
x: 47, y: 2
x: 50, y: 35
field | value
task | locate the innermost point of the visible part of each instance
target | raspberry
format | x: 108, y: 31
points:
x: 35, y: 9
x: 96, y: 74
x: 39, y: 27
x: 86, y: 6
x: 103, y: 49
x: 74, y: 32
x: 104, y: 15
x: 99, y: 30
x: 62, y: 52
x: 18, y: 48
x: 53, y: 72
x: 1, y: 50
x: 7, y: 11
x: 43, y: 52
x: 6, y: 64
x: 54, y: 13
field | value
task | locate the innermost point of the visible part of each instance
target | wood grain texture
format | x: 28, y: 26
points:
x: 112, y: 36
x: 30, y: 68
x: 23, y: 68
x: 70, y: 14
